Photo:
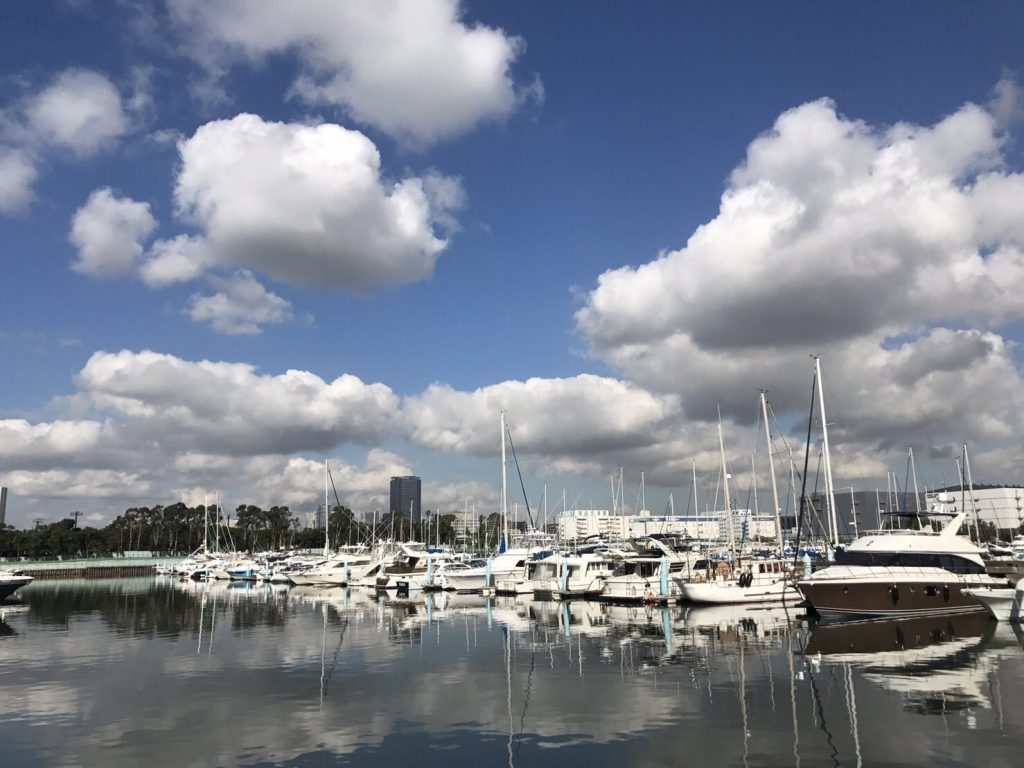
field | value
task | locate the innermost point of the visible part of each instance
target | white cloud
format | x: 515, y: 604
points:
x: 411, y: 67
x: 195, y: 462
x: 23, y: 444
x: 17, y: 174
x: 307, y: 205
x: 296, y: 481
x: 80, y: 111
x: 86, y: 483
x: 229, y: 408
x: 583, y: 415
x: 240, y: 306
x: 108, y: 232
x: 878, y: 246
x: 178, y: 260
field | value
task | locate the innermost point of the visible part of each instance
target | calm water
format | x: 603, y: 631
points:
x: 161, y: 673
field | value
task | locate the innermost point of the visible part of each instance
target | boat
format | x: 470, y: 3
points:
x: 532, y: 545
x: 11, y: 582
x: 902, y: 572
x: 569, y: 576
x: 509, y: 565
x: 1003, y: 603
x: 762, y: 581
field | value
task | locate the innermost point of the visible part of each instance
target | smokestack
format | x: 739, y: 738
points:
x: 3, y: 506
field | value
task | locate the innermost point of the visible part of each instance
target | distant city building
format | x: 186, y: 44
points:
x: 712, y: 526
x: 405, y: 497
x: 315, y: 519
x: 466, y: 521
x: 3, y: 506
x: 1001, y: 505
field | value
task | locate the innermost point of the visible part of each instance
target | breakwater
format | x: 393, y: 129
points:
x: 91, y: 568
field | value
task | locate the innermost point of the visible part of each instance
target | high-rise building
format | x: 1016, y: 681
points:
x: 3, y: 506
x: 405, y: 497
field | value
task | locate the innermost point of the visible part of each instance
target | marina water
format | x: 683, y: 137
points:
x: 158, y: 672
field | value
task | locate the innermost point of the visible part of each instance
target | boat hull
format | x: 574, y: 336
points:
x: 879, y: 598
x: 729, y: 592
x: 1005, y: 604
x: 9, y: 586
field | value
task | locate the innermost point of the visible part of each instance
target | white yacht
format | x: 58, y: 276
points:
x: 532, y: 545
x: 761, y: 581
x: 570, y: 575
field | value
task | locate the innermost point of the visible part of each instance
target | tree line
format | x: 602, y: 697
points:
x: 179, y: 529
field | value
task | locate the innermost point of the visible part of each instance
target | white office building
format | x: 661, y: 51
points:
x: 712, y: 526
x: 1001, y: 505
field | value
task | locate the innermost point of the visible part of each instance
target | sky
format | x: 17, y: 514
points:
x: 240, y: 238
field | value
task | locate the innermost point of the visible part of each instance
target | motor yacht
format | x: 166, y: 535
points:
x: 902, y: 572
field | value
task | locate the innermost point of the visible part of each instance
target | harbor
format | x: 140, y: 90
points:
x: 115, y: 671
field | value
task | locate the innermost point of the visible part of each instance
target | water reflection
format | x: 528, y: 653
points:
x: 183, y: 673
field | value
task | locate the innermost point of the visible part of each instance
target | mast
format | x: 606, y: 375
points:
x: 913, y: 473
x: 771, y: 471
x: 833, y: 523
x: 970, y: 488
x: 504, y: 484
x: 696, y: 507
x: 853, y: 513
x: 327, y: 514
x: 728, y: 504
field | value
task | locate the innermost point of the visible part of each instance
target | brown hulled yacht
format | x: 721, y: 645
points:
x: 901, y: 572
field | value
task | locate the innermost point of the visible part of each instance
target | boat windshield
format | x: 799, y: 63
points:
x: 951, y: 563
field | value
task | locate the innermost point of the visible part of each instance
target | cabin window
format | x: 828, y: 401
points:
x: 520, y: 564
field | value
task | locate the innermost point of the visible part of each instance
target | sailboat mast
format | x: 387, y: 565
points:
x: 327, y: 514
x: 913, y: 473
x: 504, y: 483
x: 728, y: 503
x: 771, y: 472
x: 696, y: 507
x: 970, y: 489
x: 830, y: 490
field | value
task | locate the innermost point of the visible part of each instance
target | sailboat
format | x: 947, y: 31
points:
x: 763, y: 580
x: 512, y: 557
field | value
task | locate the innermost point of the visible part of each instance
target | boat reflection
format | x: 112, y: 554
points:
x: 937, y: 664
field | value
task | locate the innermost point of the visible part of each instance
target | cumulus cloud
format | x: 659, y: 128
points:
x: 240, y: 307
x: 24, y: 444
x: 307, y: 205
x: 178, y: 260
x: 585, y: 414
x: 83, y: 484
x: 297, y: 481
x: 412, y: 68
x: 880, y: 247
x: 81, y: 110
x: 109, y: 232
x: 229, y: 408
x: 17, y: 174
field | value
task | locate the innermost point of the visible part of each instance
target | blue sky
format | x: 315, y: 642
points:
x: 561, y: 142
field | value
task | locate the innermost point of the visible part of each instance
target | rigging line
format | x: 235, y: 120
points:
x: 334, y: 661
x: 526, y: 698
x: 821, y: 719
x: 526, y: 499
